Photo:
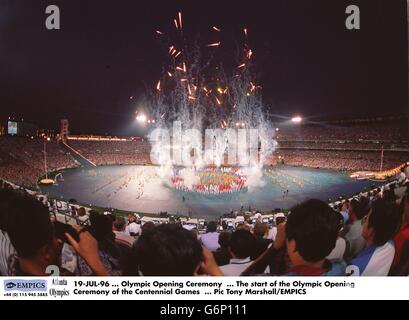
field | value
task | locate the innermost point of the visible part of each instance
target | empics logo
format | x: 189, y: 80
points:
x: 25, y: 285
x: 10, y: 285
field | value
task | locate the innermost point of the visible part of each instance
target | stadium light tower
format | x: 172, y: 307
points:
x: 296, y: 119
x: 46, y: 181
x: 141, y: 118
x: 45, y: 157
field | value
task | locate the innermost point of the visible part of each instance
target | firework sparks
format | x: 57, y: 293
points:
x: 215, y: 44
x: 188, y: 93
x: 180, y: 20
x: 249, y: 54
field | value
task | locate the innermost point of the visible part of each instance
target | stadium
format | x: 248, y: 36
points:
x: 207, y: 167
x: 311, y: 161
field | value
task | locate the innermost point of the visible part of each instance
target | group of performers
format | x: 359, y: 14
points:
x: 213, y: 181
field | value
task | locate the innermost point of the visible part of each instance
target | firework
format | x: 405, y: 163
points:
x: 200, y: 94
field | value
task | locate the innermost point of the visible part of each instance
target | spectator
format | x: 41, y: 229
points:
x: 354, y: 235
x: 170, y: 250
x: 340, y: 250
x: 400, y: 264
x: 378, y: 229
x: 82, y: 216
x: 147, y: 227
x: 311, y: 232
x: 260, y: 231
x: 222, y: 254
x: 211, y: 238
x: 36, y: 243
x: 242, y: 244
x: 121, y: 237
x: 7, y: 249
x: 133, y: 228
x: 109, y: 252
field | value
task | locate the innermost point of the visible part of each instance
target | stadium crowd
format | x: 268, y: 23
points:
x: 114, y: 152
x: 346, y: 147
x: 382, y: 131
x: 369, y: 233
x: 338, y: 160
x: 22, y: 159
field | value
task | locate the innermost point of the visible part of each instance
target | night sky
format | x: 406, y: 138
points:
x: 107, y: 51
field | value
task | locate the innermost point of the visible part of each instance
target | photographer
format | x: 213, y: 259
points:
x: 36, y: 242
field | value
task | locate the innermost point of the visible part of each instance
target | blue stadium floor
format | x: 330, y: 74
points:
x: 139, y: 189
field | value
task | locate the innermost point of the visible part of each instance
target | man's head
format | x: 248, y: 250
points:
x: 357, y: 209
x: 381, y: 223
x: 260, y: 229
x: 81, y: 212
x: 312, y: 231
x: 242, y: 244
x: 101, y: 226
x: 148, y: 227
x: 168, y: 250
x: 224, y: 239
x: 211, y: 226
x: 27, y: 222
x: 131, y: 219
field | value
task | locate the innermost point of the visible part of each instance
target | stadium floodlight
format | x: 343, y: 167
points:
x: 141, y: 118
x: 296, y: 119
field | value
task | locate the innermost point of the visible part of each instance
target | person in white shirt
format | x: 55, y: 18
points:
x: 379, y: 226
x: 82, y: 216
x: 242, y: 245
x: 6, y: 251
x: 121, y: 236
x: 339, y: 251
x: 354, y: 235
x: 133, y: 228
x: 211, y: 238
